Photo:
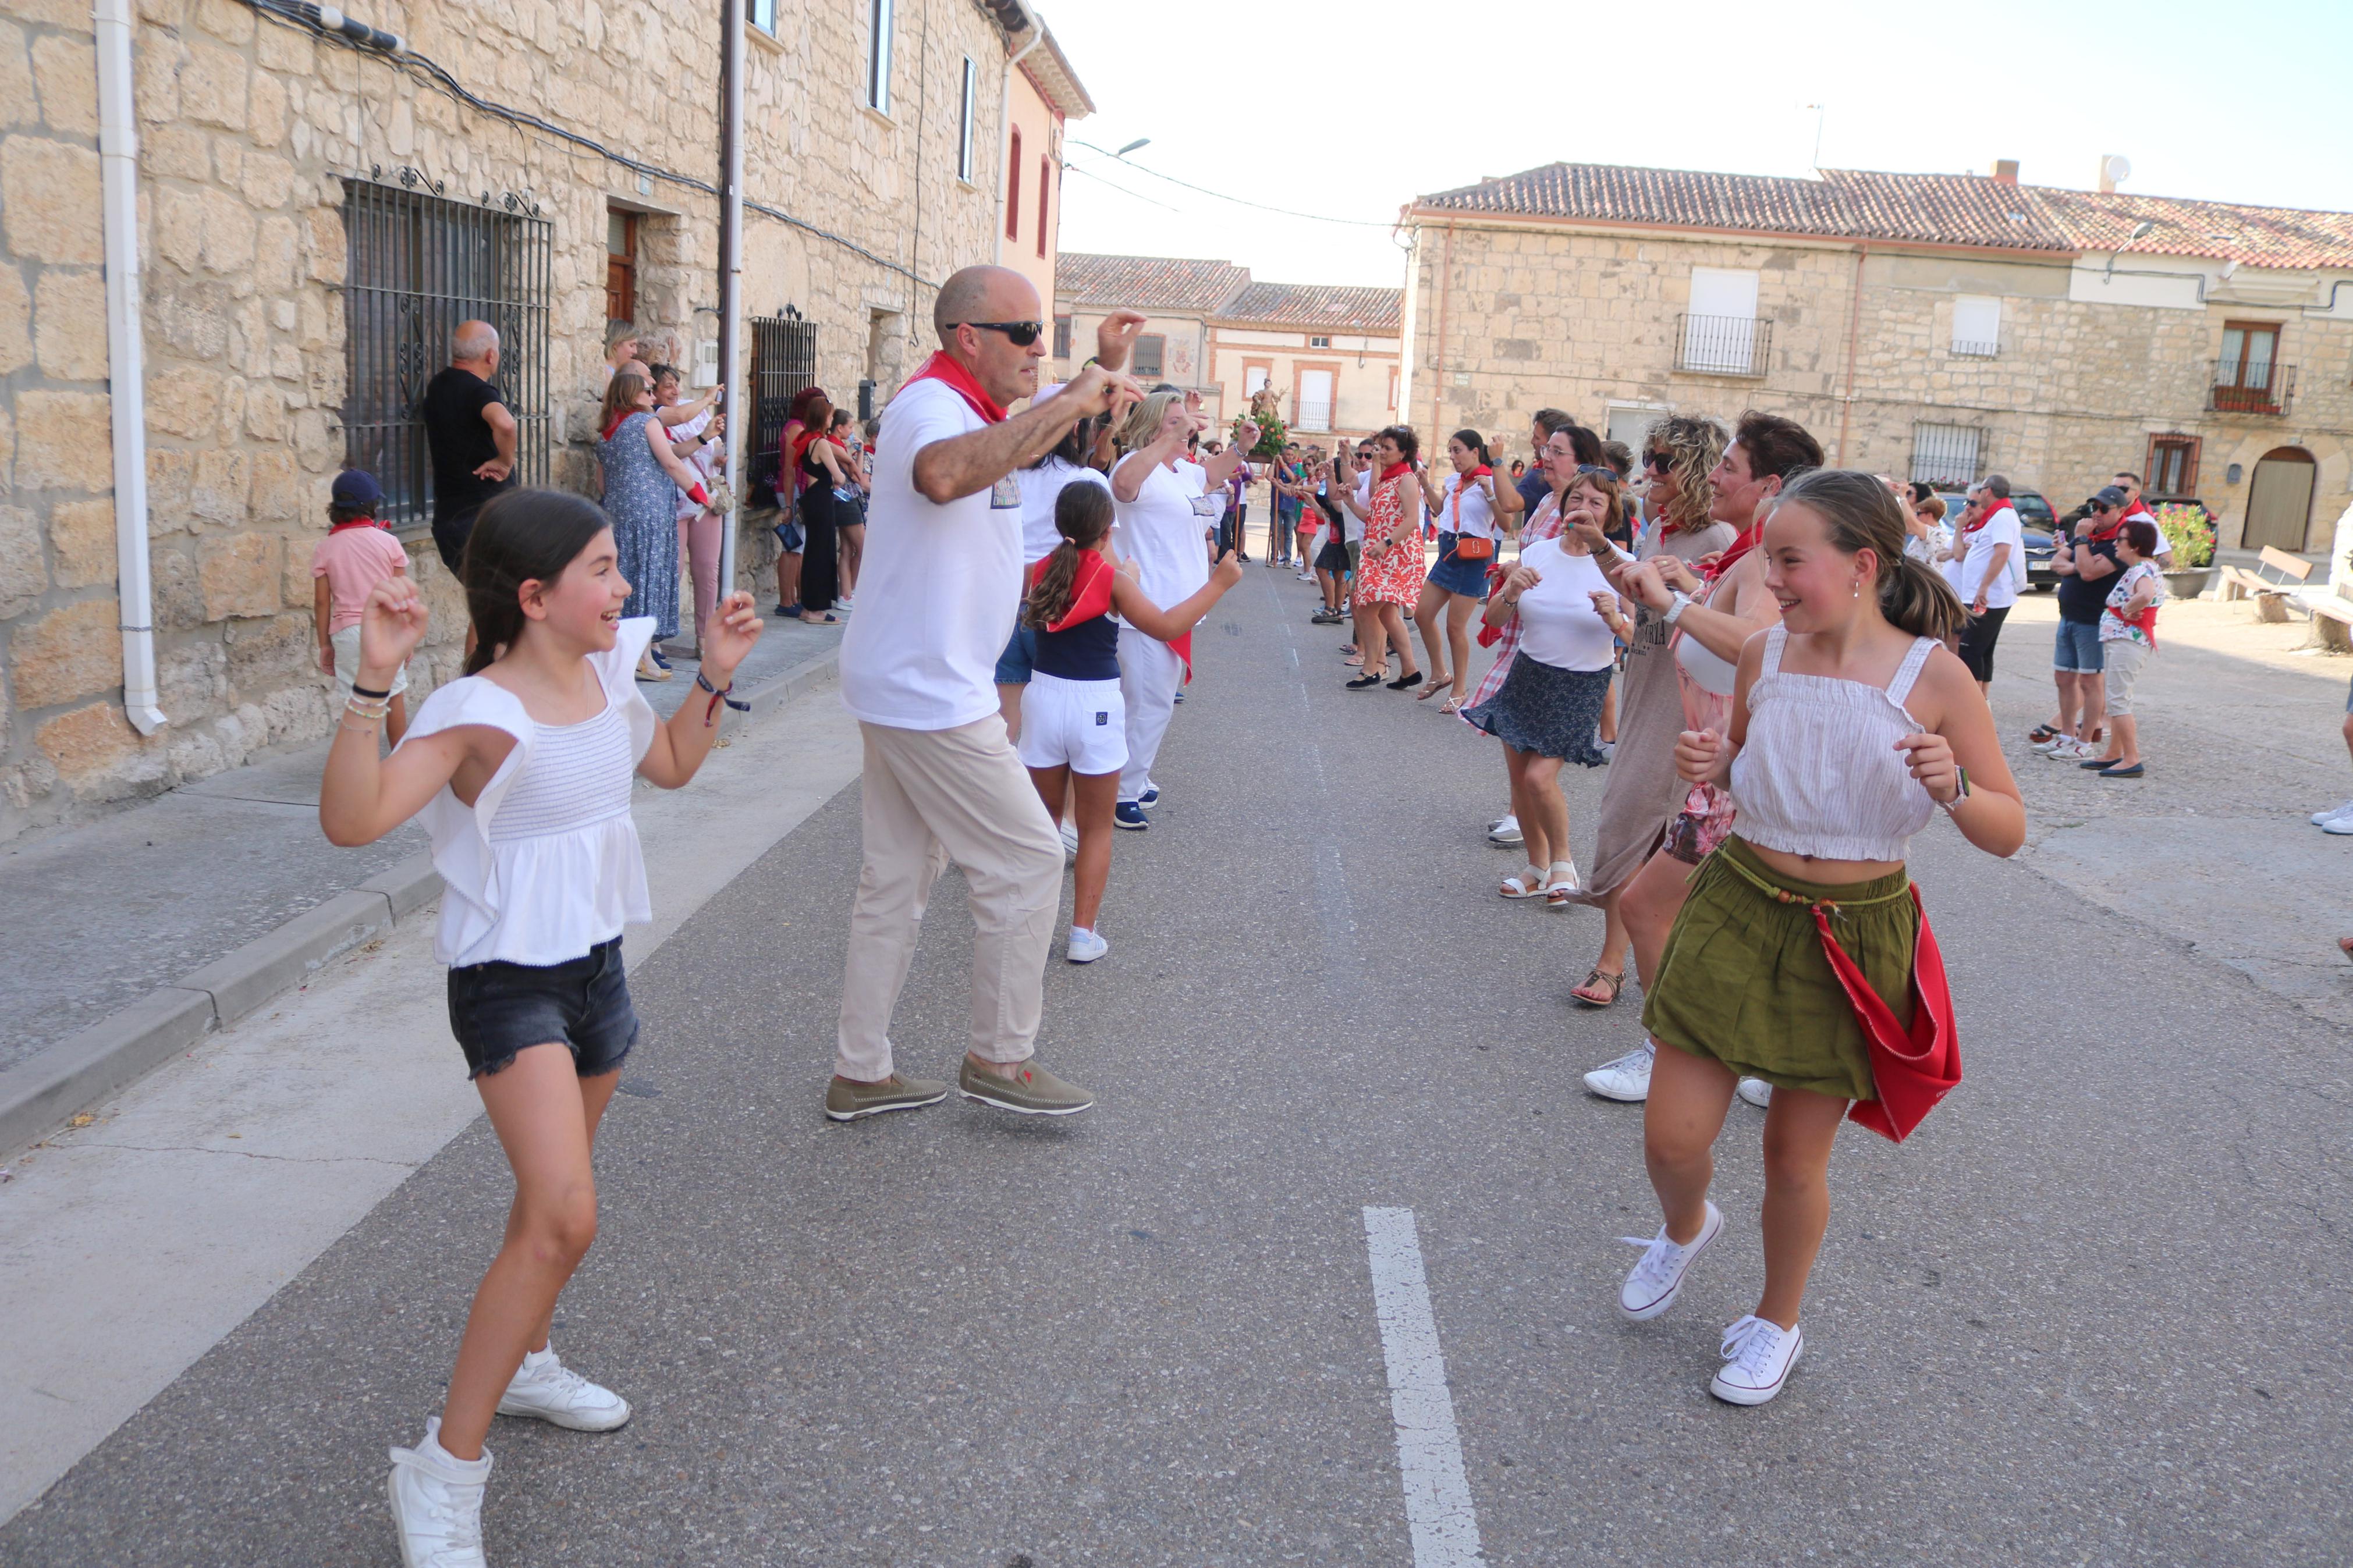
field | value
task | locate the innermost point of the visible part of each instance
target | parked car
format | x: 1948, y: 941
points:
x: 2036, y: 522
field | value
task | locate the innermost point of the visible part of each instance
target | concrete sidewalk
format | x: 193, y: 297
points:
x: 128, y: 938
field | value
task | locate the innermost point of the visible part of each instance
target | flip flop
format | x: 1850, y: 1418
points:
x: 1599, y: 980
x: 1438, y: 683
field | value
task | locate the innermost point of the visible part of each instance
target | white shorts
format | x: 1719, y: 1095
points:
x: 1079, y: 723
x: 346, y: 644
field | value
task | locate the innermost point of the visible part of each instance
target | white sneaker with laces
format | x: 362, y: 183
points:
x: 1757, y: 1355
x: 1755, y: 1092
x: 1504, y: 830
x: 2322, y: 818
x: 2043, y: 748
x: 544, y: 1388
x: 1657, y: 1276
x: 1628, y: 1078
x: 1085, y: 946
x: 437, y: 1503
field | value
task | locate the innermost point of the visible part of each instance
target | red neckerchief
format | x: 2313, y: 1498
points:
x: 1988, y: 516
x: 958, y: 379
x: 1741, y: 546
x: 618, y: 420
x: 2146, y: 620
x: 355, y: 522
x: 1393, y: 470
x: 2104, y: 535
x: 805, y: 440
x: 1090, y: 589
x: 1467, y: 481
x: 2140, y: 513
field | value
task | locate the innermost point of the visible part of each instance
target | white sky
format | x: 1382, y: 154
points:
x: 1349, y: 110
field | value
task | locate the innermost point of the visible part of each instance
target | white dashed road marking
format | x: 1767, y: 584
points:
x: 1438, y: 1509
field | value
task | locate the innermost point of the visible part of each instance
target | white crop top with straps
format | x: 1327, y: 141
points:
x: 1819, y: 774
x: 545, y: 864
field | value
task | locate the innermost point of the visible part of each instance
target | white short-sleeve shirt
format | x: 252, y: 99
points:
x: 1558, y: 625
x: 939, y: 584
x: 2000, y: 529
x: 1041, y: 489
x: 1161, y: 532
x: 1477, y: 519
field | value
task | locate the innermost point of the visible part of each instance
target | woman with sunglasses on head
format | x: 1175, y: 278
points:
x: 1474, y: 513
x: 1549, y: 708
x: 1852, y: 724
x: 1389, y: 569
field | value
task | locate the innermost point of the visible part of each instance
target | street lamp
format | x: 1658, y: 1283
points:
x: 1139, y: 142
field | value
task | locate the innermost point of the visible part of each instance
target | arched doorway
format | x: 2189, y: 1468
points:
x: 2279, y: 501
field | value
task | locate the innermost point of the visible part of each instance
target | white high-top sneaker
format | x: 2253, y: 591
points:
x: 545, y: 1388
x: 437, y: 1503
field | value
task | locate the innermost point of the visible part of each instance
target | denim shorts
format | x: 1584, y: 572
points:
x: 1014, y: 664
x: 498, y: 1009
x: 1456, y: 575
x: 2078, y: 651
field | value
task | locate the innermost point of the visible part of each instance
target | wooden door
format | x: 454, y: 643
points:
x: 2279, y: 501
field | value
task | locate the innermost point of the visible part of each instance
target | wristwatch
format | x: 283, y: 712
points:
x: 1674, y: 611
x: 1959, y: 794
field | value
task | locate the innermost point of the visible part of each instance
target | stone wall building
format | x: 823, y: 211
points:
x: 1333, y: 353
x: 1928, y: 326
x: 315, y: 214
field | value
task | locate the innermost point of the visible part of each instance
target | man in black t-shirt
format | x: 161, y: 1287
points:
x: 471, y: 435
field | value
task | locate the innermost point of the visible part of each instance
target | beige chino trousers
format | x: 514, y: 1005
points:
x: 930, y: 797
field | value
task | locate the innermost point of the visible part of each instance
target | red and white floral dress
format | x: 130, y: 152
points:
x: 1393, y: 575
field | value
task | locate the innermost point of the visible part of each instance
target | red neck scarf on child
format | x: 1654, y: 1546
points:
x: 959, y: 380
x: 356, y: 522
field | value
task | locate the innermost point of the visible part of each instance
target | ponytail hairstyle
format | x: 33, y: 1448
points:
x: 1082, y: 515
x: 1859, y: 513
x: 1478, y: 445
x: 518, y: 537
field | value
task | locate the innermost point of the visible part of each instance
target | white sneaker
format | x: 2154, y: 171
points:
x: 1504, y: 830
x: 2340, y: 825
x: 1628, y: 1078
x: 1657, y: 1276
x: 1758, y: 1355
x: 1755, y: 1092
x: 2067, y: 749
x: 547, y: 1390
x: 1086, y: 946
x: 437, y: 1503
x: 2322, y: 818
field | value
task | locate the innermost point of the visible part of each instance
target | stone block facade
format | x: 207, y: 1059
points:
x: 251, y: 131
x: 1508, y: 317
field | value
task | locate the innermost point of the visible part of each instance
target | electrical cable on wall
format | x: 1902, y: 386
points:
x: 330, y: 24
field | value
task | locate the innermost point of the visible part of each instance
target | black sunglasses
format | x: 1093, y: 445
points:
x: 1658, y: 462
x: 1021, y: 334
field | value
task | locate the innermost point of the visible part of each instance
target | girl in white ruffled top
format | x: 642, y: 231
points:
x: 521, y: 771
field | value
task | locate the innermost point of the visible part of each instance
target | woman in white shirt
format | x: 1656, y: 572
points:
x: 1473, y: 515
x: 1549, y: 710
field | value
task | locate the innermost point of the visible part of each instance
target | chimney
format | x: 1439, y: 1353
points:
x: 2005, y: 171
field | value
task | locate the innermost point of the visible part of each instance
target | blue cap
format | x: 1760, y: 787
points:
x: 355, y: 486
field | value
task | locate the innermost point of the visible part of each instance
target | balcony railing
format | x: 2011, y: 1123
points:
x: 1315, y: 413
x: 2250, y: 387
x: 1973, y: 348
x: 1724, y: 345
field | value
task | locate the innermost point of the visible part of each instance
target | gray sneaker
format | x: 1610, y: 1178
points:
x: 1031, y: 1090
x: 846, y: 1101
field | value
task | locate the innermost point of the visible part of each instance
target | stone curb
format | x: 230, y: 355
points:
x: 42, y: 1093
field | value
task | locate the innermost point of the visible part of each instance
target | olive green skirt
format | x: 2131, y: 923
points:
x: 1745, y: 981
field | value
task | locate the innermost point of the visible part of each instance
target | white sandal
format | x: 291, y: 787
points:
x: 1528, y: 884
x: 1558, y: 888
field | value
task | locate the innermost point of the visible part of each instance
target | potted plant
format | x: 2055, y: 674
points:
x: 2190, y: 533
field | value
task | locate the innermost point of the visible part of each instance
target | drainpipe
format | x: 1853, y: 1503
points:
x: 731, y: 275
x: 1853, y: 331
x: 1438, y: 363
x: 118, y: 163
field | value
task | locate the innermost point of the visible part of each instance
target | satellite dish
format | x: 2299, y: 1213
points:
x: 2117, y: 168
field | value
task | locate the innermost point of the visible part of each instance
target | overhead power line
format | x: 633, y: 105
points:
x: 1220, y: 196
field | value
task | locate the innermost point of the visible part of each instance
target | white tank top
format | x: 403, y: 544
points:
x: 1819, y: 775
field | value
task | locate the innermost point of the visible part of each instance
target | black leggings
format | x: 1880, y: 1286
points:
x: 1976, y: 642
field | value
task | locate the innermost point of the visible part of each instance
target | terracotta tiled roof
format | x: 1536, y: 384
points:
x: 1147, y: 282
x: 1934, y: 209
x: 1316, y: 305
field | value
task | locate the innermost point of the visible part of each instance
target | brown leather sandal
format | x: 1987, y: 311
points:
x: 1599, y: 980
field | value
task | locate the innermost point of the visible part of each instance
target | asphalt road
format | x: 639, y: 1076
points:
x: 2094, y: 1312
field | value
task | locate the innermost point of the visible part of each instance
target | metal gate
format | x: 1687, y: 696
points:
x: 783, y: 361
x: 1948, y: 455
x: 418, y: 266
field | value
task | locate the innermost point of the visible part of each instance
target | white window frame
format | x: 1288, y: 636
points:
x: 1977, y: 326
x: 879, y: 12
x: 967, y: 112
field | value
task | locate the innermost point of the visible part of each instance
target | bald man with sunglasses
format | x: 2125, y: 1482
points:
x: 936, y: 599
